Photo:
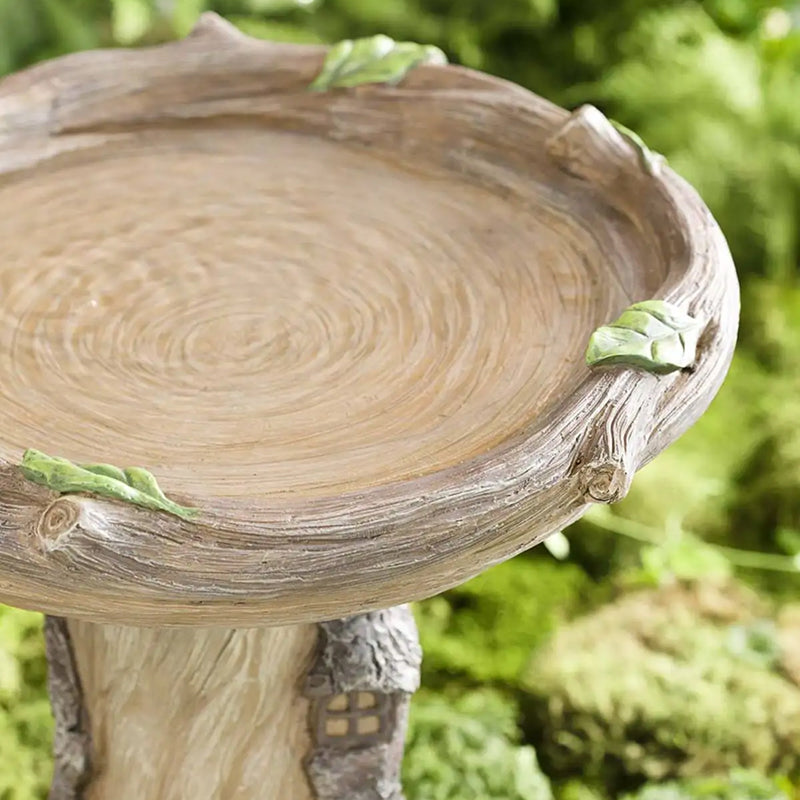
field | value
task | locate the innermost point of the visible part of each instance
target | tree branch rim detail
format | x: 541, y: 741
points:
x: 282, y: 560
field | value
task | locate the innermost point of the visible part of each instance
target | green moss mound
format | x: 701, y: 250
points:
x: 680, y: 682
x: 466, y: 748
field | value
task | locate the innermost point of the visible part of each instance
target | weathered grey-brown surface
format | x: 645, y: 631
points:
x: 374, y: 655
x: 72, y: 744
x: 349, y: 327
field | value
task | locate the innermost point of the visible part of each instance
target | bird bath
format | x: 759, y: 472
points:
x: 347, y: 328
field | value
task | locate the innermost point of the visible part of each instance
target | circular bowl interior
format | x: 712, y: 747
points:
x: 257, y: 313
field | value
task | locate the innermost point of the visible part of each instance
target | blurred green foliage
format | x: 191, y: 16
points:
x: 465, y: 747
x: 25, y: 721
x: 738, y: 785
x: 662, y: 683
x: 485, y: 630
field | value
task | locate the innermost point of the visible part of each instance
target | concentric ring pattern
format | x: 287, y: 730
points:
x: 250, y: 314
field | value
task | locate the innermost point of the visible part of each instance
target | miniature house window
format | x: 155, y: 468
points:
x: 353, y: 719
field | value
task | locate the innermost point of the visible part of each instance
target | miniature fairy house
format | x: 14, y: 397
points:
x: 365, y: 670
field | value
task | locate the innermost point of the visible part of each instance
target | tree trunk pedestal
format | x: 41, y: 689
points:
x: 308, y: 712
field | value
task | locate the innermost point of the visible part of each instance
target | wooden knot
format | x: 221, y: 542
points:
x: 604, y: 483
x: 57, y: 520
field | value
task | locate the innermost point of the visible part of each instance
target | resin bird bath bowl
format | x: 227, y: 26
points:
x: 347, y: 326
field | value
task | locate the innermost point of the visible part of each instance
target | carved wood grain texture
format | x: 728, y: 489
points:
x: 195, y: 714
x: 579, y: 228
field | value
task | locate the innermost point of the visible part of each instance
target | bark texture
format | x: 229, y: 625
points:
x: 378, y: 651
x: 72, y: 744
x: 375, y: 654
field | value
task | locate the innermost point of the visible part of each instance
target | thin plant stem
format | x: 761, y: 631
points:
x: 645, y: 534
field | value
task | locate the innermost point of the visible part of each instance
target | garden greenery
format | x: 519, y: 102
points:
x: 657, y: 695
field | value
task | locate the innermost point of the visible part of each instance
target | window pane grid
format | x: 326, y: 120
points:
x: 357, y: 712
x: 354, y: 717
x: 352, y: 708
